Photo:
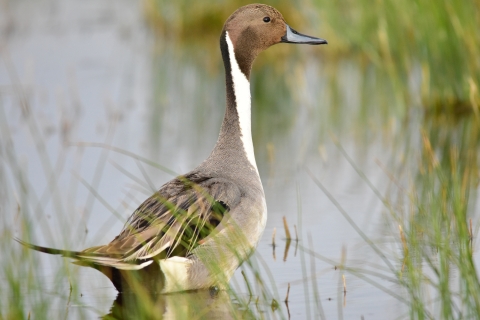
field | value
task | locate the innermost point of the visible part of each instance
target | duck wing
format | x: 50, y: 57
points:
x: 172, y: 222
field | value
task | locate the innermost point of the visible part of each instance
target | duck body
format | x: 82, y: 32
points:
x: 198, y: 228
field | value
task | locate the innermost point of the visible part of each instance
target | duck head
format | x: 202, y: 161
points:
x: 256, y: 27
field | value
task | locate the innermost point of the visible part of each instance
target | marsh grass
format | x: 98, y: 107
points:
x: 439, y: 248
x: 436, y: 265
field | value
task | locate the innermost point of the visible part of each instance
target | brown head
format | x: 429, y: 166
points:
x: 256, y: 27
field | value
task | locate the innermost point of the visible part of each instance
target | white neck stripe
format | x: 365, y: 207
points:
x: 241, y: 89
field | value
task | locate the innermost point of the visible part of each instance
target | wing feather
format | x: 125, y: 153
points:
x: 172, y: 222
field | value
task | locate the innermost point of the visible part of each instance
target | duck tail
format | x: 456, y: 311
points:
x: 63, y: 253
x: 119, y: 272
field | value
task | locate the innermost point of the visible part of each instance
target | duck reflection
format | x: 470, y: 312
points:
x: 141, y: 300
x: 201, y: 304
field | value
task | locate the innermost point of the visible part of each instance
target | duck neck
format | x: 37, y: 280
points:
x: 236, y: 134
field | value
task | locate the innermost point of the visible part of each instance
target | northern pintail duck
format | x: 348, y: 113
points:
x: 199, y: 227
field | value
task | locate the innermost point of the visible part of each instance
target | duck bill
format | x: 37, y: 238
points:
x: 293, y: 36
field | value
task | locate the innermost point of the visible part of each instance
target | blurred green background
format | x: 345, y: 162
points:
x: 414, y: 54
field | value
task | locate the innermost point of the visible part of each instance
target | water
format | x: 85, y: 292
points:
x: 94, y: 76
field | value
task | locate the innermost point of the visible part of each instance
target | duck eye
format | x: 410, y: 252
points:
x: 266, y: 19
